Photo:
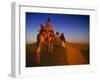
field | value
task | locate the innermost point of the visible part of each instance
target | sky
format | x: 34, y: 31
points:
x: 75, y: 27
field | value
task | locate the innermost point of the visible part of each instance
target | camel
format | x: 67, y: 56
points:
x: 61, y: 38
x: 46, y: 34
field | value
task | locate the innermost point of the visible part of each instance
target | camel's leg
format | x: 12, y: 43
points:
x: 49, y: 44
x: 49, y: 50
x: 50, y: 47
x: 38, y: 53
x: 63, y: 44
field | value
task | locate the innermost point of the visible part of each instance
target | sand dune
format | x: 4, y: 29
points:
x: 74, y: 55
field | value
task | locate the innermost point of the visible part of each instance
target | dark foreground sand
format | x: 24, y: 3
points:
x: 73, y: 54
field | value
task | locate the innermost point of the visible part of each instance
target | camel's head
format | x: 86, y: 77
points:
x: 57, y: 33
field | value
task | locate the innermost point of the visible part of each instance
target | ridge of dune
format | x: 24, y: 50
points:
x: 74, y: 55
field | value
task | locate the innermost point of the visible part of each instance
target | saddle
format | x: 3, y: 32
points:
x: 47, y: 34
